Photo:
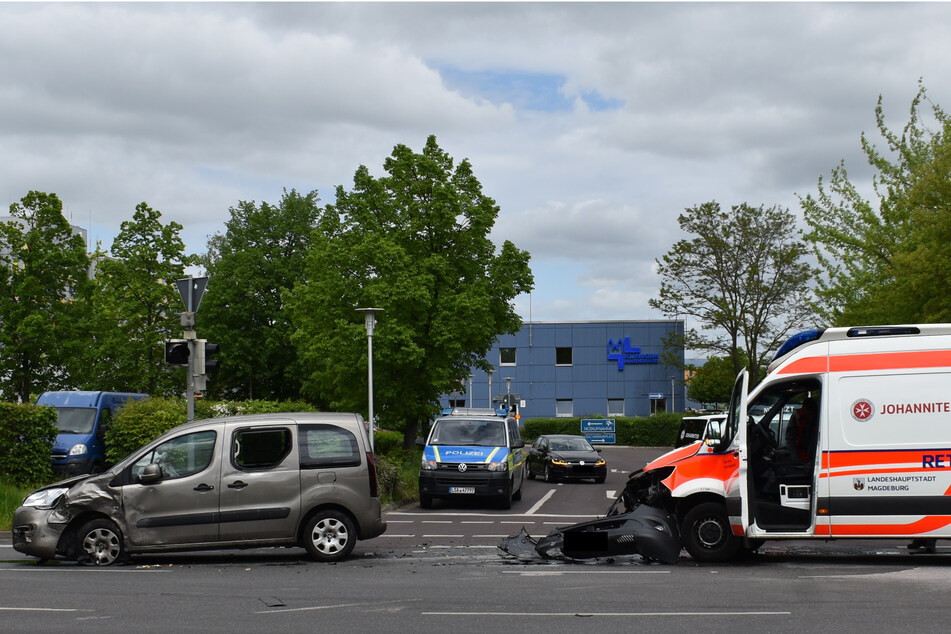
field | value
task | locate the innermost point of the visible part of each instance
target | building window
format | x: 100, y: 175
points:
x: 506, y: 356
x: 562, y: 356
x: 615, y: 407
x: 457, y: 402
x: 564, y: 408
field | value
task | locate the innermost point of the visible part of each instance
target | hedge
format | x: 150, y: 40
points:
x: 27, y: 433
x: 659, y: 430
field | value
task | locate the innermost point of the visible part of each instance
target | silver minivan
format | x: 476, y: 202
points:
x: 293, y: 479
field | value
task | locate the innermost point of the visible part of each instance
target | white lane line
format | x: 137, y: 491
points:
x: 539, y: 503
x: 475, y: 522
x: 611, y: 494
x: 626, y: 614
x: 493, y: 536
x: 550, y: 573
x: 94, y: 571
x: 437, y: 521
x: 443, y: 535
x: 5, y: 609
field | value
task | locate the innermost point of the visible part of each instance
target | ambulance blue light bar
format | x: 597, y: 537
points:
x: 799, y: 339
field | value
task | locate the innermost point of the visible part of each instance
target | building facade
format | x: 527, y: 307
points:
x: 580, y: 369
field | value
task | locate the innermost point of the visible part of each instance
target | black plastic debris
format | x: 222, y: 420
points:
x: 644, y: 531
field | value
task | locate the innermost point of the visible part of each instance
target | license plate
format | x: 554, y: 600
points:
x: 462, y: 489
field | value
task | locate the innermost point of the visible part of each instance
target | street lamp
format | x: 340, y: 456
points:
x: 369, y: 315
x: 491, y: 372
x: 470, y: 390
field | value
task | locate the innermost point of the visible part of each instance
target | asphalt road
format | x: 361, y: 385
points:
x: 440, y: 570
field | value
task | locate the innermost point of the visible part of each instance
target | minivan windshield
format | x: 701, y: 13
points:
x: 462, y: 431
x: 75, y: 420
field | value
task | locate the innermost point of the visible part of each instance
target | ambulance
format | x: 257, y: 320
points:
x: 875, y: 463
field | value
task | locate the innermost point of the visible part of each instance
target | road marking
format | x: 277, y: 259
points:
x: 64, y: 569
x: 5, y: 609
x: 611, y: 494
x: 493, y: 536
x: 437, y: 521
x: 476, y: 522
x: 549, y: 573
x: 443, y: 535
x: 539, y: 503
x: 627, y: 614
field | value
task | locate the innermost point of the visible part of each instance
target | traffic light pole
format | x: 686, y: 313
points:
x: 190, y: 371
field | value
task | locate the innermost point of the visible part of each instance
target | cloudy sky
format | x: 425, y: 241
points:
x: 592, y: 125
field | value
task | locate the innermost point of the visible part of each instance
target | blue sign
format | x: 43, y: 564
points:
x: 655, y: 396
x: 600, y: 439
x: 596, y: 425
x: 622, y: 352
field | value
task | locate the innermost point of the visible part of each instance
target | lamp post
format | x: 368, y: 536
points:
x: 491, y: 372
x: 369, y: 315
x: 470, y: 390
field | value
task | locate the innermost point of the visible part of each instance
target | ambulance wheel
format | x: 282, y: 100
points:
x: 707, y: 535
x: 99, y: 543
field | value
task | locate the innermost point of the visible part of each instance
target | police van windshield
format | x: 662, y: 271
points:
x: 460, y: 431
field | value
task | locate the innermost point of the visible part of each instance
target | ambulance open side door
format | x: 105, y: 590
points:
x: 737, y: 432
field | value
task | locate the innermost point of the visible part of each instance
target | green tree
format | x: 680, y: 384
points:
x: 886, y: 260
x: 415, y: 243
x: 137, y: 307
x: 44, y: 287
x: 742, y: 276
x: 261, y: 254
x: 713, y: 381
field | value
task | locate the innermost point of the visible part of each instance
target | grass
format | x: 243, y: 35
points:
x: 10, y: 498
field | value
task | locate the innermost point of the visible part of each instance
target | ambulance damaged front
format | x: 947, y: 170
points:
x: 640, y: 521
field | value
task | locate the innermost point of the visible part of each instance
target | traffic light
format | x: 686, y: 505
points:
x: 210, y: 349
x: 176, y: 352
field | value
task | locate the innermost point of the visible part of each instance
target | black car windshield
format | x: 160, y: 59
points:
x: 75, y: 420
x: 461, y: 431
x: 570, y: 444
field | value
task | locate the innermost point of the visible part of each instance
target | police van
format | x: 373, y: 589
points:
x: 851, y: 439
x: 472, y: 454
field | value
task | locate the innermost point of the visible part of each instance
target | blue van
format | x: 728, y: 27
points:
x: 82, y: 420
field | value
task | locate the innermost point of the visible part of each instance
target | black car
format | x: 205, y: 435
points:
x: 565, y: 457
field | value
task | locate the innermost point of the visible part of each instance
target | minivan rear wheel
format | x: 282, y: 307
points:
x: 329, y: 536
x: 99, y: 543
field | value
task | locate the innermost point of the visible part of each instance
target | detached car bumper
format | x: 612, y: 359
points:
x: 34, y: 535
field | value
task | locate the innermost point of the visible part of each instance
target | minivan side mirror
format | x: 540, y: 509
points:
x: 151, y: 473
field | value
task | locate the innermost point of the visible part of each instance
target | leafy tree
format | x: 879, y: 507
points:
x: 261, y: 254
x: 886, y: 261
x: 741, y: 275
x: 137, y: 307
x: 713, y: 381
x: 44, y: 285
x: 415, y: 243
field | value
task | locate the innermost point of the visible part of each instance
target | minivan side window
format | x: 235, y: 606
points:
x: 260, y: 448
x: 324, y: 446
x: 179, y: 457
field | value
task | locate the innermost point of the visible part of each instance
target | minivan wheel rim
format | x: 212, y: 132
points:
x: 330, y: 536
x: 102, y: 546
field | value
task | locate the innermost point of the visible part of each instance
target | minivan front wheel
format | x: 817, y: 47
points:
x: 99, y: 543
x: 330, y: 536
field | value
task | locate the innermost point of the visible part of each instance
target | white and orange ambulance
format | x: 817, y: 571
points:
x: 873, y: 461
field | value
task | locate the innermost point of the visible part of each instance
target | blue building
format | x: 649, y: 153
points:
x: 566, y: 369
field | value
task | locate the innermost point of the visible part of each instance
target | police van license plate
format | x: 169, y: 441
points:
x: 462, y: 489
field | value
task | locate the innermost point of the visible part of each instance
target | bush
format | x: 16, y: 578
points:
x: 27, y: 433
x: 139, y: 422
x: 659, y: 430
